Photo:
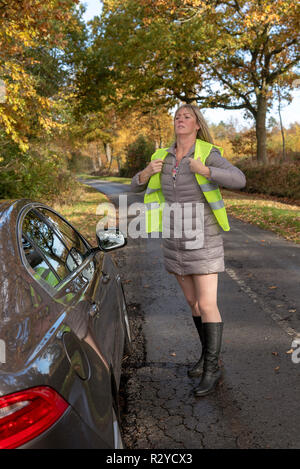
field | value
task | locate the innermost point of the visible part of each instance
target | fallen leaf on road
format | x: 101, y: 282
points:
x: 290, y: 351
x: 292, y: 310
x: 275, y: 353
x: 173, y: 354
x: 276, y: 369
x: 272, y: 287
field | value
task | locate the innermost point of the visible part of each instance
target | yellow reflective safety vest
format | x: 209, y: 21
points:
x: 154, y: 199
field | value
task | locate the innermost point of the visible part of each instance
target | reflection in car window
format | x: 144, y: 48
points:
x: 77, y: 248
x: 70, y: 238
x: 38, y: 264
x: 48, y: 242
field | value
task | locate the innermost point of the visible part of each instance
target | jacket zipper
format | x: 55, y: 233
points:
x: 174, y: 187
x: 177, y: 172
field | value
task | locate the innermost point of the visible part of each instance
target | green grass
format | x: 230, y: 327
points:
x: 278, y: 217
x: 121, y: 180
x: 82, y: 213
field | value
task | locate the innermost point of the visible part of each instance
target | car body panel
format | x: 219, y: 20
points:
x: 45, y: 330
x: 57, y: 437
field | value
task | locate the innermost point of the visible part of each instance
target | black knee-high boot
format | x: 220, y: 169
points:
x: 197, y: 369
x: 212, y: 332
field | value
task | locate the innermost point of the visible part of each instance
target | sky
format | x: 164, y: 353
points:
x: 290, y: 113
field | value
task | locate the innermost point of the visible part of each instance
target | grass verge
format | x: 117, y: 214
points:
x: 280, y: 218
x: 121, y: 180
x: 82, y: 212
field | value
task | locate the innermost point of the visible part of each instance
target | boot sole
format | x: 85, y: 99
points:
x: 205, y: 393
x: 210, y: 390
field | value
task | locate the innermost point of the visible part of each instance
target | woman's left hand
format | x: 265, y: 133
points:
x: 196, y: 166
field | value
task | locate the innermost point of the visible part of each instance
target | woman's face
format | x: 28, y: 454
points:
x: 185, y: 123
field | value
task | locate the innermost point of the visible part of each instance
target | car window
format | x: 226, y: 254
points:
x: 69, y: 236
x: 52, y: 248
x: 42, y: 270
x: 78, y: 250
x: 49, y: 245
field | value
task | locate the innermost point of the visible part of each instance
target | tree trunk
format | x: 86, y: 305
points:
x: 108, y: 152
x: 283, y: 157
x: 98, y: 153
x: 94, y: 161
x: 261, y: 131
x: 118, y: 158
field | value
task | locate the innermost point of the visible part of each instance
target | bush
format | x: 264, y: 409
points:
x: 35, y: 176
x: 138, y: 155
x: 281, y: 180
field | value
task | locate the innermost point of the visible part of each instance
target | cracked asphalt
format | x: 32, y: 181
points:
x: 256, y: 404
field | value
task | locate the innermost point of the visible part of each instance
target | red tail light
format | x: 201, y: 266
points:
x: 26, y: 414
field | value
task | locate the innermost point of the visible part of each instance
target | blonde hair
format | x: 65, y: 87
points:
x: 203, y: 132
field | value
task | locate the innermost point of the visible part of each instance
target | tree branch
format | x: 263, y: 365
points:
x: 272, y: 77
x: 218, y: 104
x: 248, y: 105
x: 283, y: 46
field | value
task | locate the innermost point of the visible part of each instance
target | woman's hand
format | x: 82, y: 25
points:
x: 196, y: 166
x: 155, y: 166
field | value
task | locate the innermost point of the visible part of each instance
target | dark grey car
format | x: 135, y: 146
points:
x: 63, y: 331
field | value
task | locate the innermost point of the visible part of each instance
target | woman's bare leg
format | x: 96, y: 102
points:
x: 188, y: 287
x: 205, y: 290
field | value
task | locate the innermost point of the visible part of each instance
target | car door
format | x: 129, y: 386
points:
x: 107, y: 320
x: 64, y: 264
x: 95, y: 289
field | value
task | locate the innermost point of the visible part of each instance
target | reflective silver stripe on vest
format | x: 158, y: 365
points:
x: 209, y: 187
x: 150, y: 191
x: 152, y: 205
x: 216, y: 205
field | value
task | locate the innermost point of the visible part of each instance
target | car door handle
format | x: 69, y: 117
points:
x: 105, y: 277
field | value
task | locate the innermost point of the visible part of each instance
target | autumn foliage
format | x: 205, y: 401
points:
x: 72, y: 96
x: 33, y: 41
x: 27, y: 26
x: 226, y: 54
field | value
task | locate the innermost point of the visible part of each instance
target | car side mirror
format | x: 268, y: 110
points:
x: 110, y: 239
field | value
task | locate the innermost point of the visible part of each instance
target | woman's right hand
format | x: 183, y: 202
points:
x: 155, y: 166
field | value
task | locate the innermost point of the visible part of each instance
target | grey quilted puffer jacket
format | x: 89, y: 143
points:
x: 203, y: 253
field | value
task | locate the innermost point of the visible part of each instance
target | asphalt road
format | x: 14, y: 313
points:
x: 257, y: 403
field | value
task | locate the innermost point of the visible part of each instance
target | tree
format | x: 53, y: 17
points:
x: 244, y: 143
x: 32, y: 34
x: 138, y: 155
x: 228, y: 54
x: 39, y: 51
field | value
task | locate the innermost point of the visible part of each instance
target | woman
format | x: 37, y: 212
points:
x: 191, y: 171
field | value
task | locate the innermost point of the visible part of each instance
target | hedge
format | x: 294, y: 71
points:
x: 281, y: 180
